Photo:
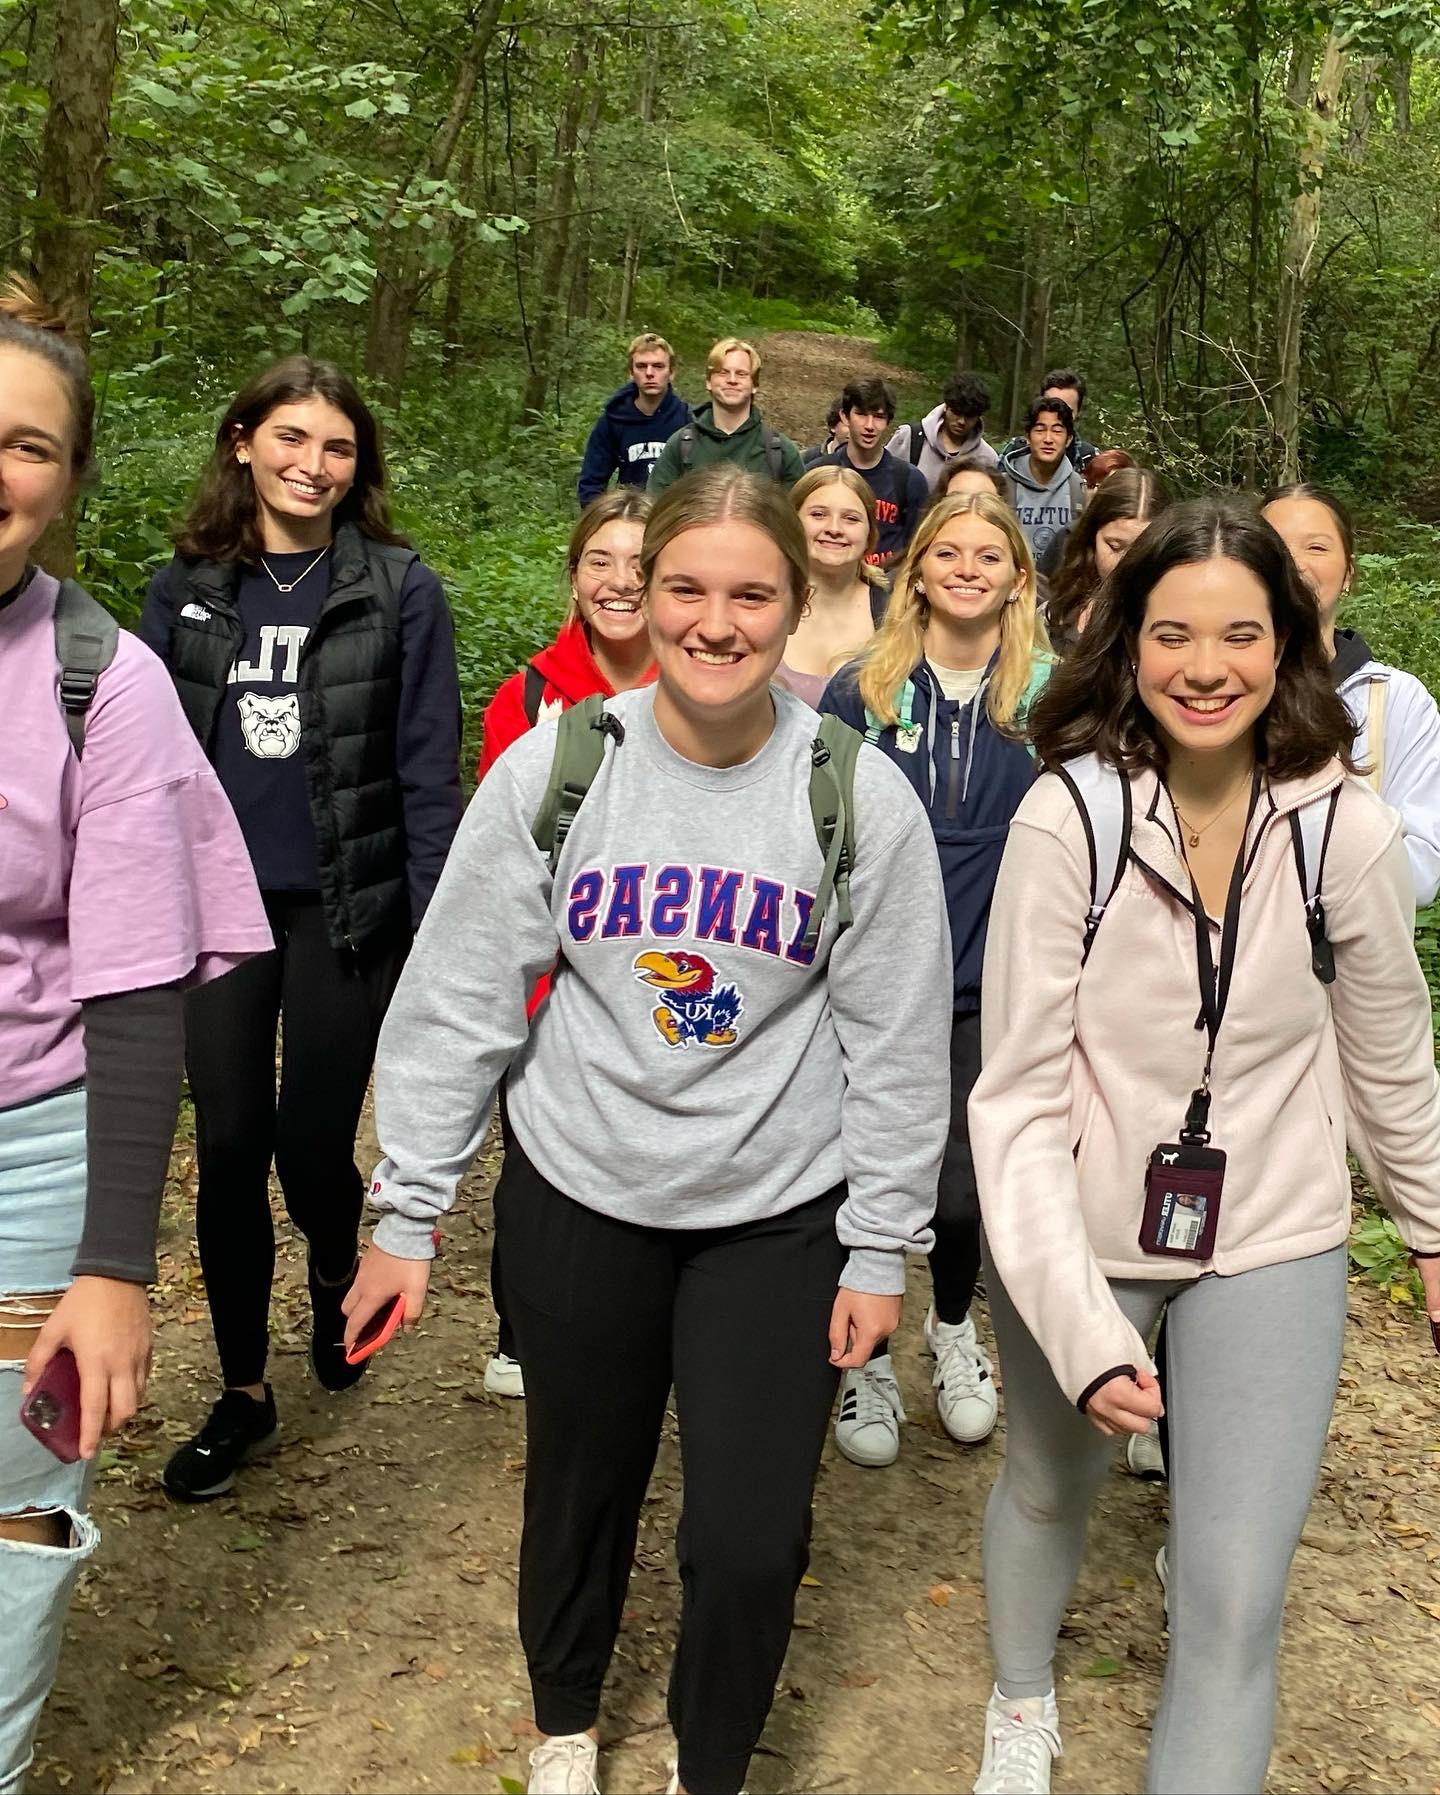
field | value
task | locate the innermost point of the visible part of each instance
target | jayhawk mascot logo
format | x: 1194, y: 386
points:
x: 692, y: 1006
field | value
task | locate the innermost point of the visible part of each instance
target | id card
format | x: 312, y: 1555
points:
x: 1183, y: 1186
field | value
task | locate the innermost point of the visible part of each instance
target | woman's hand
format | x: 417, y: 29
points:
x: 1125, y: 1404
x: 856, y: 1322
x: 105, y: 1322
x: 381, y: 1278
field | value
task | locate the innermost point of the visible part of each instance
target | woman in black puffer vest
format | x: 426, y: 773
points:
x: 314, y: 655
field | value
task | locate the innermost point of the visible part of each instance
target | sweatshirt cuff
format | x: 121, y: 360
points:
x: 874, y: 1271
x: 405, y: 1238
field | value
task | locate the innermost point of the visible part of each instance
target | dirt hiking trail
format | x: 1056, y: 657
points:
x: 345, y: 1620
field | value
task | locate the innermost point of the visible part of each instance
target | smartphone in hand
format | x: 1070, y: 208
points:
x: 52, y: 1409
x: 377, y: 1332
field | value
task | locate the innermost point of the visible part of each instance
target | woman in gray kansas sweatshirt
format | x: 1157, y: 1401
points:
x: 726, y: 1137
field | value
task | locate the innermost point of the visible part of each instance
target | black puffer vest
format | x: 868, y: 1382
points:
x: 349, y: 696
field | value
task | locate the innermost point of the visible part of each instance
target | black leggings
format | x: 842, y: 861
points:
x: 608, y: 1316
x: 955, y: 1257
x: 331, y: 1015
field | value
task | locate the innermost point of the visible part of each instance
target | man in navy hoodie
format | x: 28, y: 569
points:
x: 636, y: 423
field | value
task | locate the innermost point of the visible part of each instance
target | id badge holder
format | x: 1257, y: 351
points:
x: 1184, y: 1182
x: 1183, y: 1185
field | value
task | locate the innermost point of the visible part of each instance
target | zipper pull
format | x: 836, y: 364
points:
x: 955, y: 738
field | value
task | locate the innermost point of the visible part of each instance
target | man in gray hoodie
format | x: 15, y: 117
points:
x: 954, y: 427
x: 1047, y: 492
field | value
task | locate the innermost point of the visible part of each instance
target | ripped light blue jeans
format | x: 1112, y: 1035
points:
x: 42, y: 1208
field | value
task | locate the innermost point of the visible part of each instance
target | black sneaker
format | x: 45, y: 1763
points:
x: 237, y: 1429
x: 327, y: 1334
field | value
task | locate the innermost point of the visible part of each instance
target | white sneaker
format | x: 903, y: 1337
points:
x: 1143, y: 1457
x: 1022, y: 1740
x: 504, y: 1377
x: 868, y: 1428
x: 564, y: 1765
x: 964, y: 1388
x: 1162, y: 1571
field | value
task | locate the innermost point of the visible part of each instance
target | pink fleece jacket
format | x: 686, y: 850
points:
x: 1085, y: 1073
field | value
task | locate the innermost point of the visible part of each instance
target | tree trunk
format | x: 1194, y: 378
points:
x: 400, y: 270
x: 632, y: 235
x: 1319, y: 98
x: 455, y: 273
x: 1400, y: 89
x: 556, y: 254
x: 72, y: 176
x: 1363, y: 74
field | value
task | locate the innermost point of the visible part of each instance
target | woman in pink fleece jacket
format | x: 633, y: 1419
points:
x: 1162, y: 1117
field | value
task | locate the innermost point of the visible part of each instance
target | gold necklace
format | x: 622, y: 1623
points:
x: 1193, y: 834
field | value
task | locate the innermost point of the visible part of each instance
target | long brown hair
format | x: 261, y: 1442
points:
x: 28, y: 321
x: 1092, y: 705
x: 722, y: 493
x: 622, y: 504
x: 223, y: 521
x: 1128, y: 492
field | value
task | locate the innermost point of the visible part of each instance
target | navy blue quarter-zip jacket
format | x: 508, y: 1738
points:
x: 971, y: 779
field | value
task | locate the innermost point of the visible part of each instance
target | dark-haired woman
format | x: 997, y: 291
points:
x: 1119, y: 509
x: 1397, y: 741
x: 1201, y: 691
x: 314, y: 655
x: 123, y: 880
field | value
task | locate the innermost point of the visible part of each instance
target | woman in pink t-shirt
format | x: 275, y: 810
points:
x: 123, y: 879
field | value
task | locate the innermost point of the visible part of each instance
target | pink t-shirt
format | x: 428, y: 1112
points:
x: 118, y: 872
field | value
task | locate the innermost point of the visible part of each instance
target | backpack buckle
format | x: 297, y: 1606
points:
x: 77, y: 689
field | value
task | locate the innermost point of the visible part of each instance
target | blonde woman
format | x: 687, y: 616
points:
x: 725, y: 1134
x: 943, y: 688
x: 847, y: 595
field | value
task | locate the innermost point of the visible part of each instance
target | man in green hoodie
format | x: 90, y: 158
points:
x: 730, y: 427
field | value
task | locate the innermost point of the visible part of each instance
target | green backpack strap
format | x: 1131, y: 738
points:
x: 579, y: 754
x: 904, y: 714
x: 86, y: 637
x: 1041, y: 667
x: 832, y: 807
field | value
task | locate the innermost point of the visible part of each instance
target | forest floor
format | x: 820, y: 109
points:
x: 345, y: 1619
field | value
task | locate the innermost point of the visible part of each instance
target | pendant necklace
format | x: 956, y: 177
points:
x: 280, y: 585
x: 1192, y: 833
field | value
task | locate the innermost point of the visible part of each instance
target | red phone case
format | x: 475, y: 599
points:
x: 52, y: 1409
x: 377, y: 1332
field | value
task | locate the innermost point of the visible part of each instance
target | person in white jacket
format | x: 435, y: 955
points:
x: 1397, y: 744
x: 1132, y: 1162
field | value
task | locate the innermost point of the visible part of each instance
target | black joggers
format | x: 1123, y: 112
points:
x: 332, y: 1009
x: 608, y: 1315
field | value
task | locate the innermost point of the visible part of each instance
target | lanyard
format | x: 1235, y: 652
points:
x: 1215, y: 985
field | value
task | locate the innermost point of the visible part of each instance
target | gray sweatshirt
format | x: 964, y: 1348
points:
x: 677, y: 910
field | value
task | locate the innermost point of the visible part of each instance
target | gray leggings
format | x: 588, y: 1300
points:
x: 1251, y: 1372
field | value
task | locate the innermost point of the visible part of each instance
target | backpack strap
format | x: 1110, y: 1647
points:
x: 534, y: 693
x: 687, y: 447
x: 1375, y: 733
x: 1310, y: 828
x: 579, y: 755
x: 774, y: 451
x: 1102, y: 796
x: 917, y: 444
x: 904, y: 714
x: 832, y: 807
x: 86, y: 638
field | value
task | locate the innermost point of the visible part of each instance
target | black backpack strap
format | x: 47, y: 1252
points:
x: 687, y: 447
x: 1310, y: 829
x: 774, y: 451
x: 917, y: 444
x: 534, y: 693
x: 86, y: 638
x: 1101, y: 794
x: 579, y: 754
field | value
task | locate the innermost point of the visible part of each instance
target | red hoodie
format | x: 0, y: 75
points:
x: 571, y: 673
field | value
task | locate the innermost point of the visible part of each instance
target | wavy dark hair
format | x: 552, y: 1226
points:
x: 1128, y: 492
x: 1091, y: 704
x: 223, y: 521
